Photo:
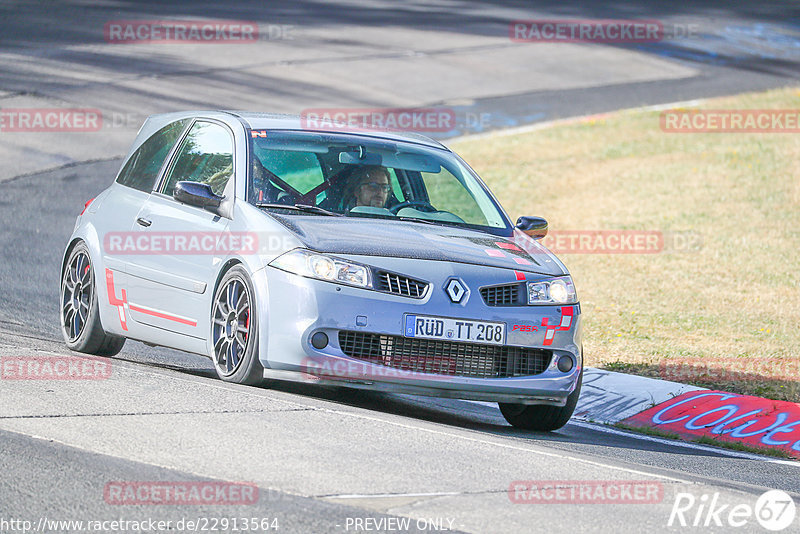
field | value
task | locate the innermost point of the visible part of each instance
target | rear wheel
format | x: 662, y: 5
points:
x: 80, y: 316
x: 541, y: 416
x: 234, y: 329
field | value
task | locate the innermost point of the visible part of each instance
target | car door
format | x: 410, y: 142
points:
x: 170, y: 281
x: 131, y: 190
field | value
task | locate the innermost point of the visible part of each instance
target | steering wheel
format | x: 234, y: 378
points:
x: 423, y: 205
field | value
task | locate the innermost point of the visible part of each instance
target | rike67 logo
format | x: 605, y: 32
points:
x: 774, y: 510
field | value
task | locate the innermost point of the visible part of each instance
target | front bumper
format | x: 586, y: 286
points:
x: 294, y: 308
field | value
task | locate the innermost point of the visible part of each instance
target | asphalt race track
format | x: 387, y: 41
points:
x: 325, y: 459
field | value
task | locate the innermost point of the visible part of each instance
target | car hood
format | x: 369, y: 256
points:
x: 401, y: 239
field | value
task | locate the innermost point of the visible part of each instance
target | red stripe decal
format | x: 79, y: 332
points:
x: 121, y: 303
x: 162, y: 315
x: 551, y: 329
x: 508, y: 246
x: 114, y: 301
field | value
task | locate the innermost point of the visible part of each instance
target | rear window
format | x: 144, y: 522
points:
x: 141, y: 170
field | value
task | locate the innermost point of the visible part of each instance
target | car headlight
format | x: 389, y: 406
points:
x: 559, y: 290
x: 323, y: 267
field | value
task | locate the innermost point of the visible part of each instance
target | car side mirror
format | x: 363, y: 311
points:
x: 536, y: 227
x: 196, y: 194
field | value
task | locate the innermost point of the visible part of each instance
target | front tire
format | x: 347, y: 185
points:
x: 79, y: 311
x: 234, y: 329
x: 540, y: 416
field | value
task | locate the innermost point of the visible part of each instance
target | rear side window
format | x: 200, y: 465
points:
x: 206, y: 156
x: 141, y: 170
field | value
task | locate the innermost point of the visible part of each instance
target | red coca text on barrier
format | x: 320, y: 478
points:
x: 725, y: 416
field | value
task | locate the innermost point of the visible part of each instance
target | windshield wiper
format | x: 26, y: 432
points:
x: 317, y: 209
x: 426, y: 221
x: 300, y: 207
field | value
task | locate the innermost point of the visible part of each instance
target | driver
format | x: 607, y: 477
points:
x: 369, y: 186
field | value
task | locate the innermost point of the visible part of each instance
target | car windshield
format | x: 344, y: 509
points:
x: 360, y: 176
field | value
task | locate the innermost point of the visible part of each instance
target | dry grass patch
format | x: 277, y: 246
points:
x: 738, y: 295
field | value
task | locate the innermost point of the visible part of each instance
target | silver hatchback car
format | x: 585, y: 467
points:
x: 367, y: 259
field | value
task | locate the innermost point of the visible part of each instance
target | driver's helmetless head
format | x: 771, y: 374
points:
x: 372, y: 188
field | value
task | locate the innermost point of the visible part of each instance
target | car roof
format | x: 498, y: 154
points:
x: 278, y: 121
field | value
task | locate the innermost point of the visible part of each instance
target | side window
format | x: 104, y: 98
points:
x: 205, y: 156
x: 141, y: 170
x: 446, y: 193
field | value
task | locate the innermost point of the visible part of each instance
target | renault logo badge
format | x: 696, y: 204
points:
x: 456, y: 290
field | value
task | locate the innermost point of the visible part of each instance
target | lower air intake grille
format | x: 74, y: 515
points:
x: 445, y: 357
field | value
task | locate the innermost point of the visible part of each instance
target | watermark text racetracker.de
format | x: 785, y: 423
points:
x: 50, y: 120
x: 156, y: 31
x: 342, y: 369
x: 180, y: 493
x: 598, y: 31
x: 621, y: 241
x: 54, y: 368
x: 436, y: 119
x: 586, y: 31
x: 65, y: 120
x: 194, y: 243
x: 586, y: 492
x: 730, y: 121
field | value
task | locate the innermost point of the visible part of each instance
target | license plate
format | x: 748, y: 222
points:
x: 429, y: 327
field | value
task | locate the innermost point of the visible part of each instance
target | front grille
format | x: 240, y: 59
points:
x: 397, y: 284
x: 444, y: 357
x: 505, y: 295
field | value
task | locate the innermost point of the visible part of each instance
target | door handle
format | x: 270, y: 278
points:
x: 143, y: 222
